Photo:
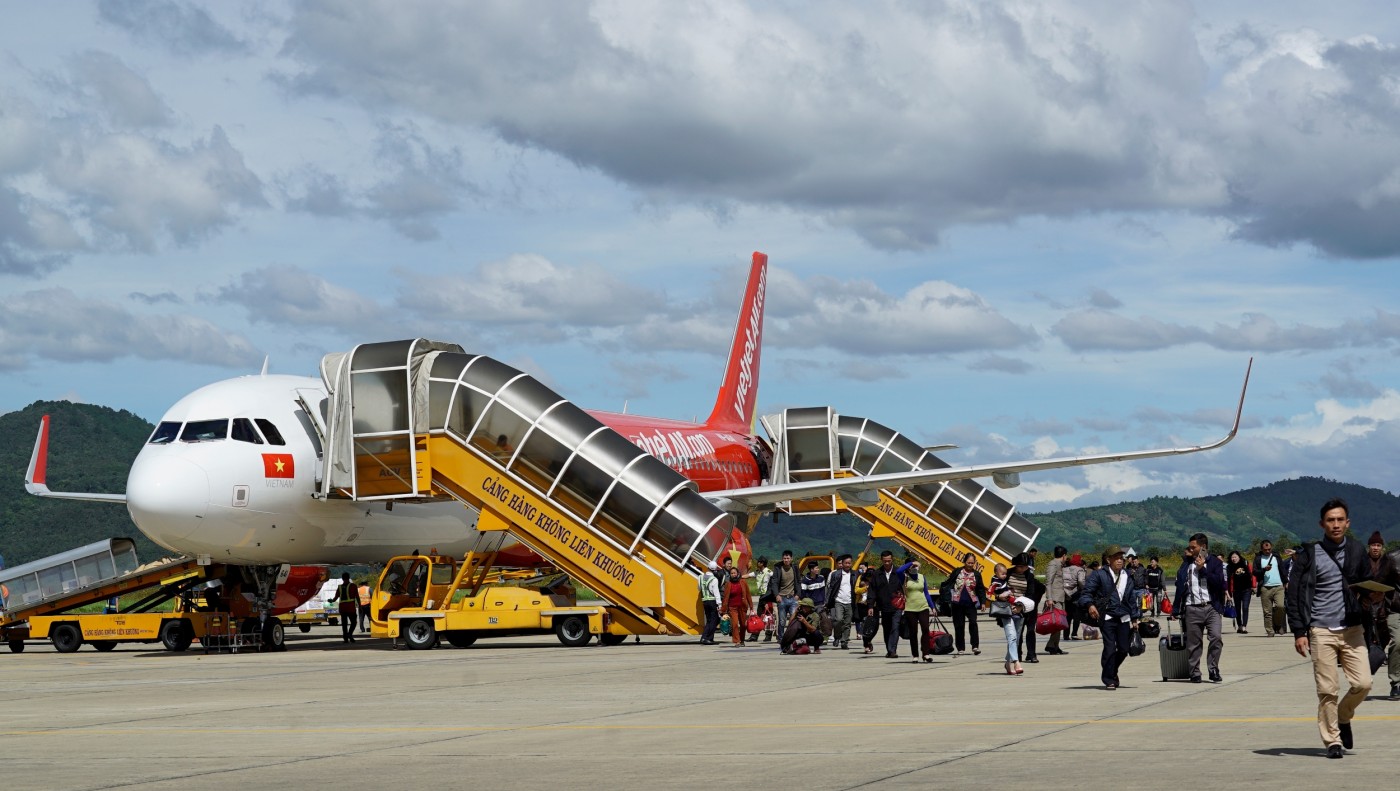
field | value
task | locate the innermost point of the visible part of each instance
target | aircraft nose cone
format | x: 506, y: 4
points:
x: 166, y: 497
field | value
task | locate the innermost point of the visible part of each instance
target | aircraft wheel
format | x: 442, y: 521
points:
x: 176, y: 635
x: 419, y: 634
x: 460, y: 639
x: 572, y: 631
x: 104, y: 645
x: 304, y: 627
x: 274, y: 635
x: 16, y: 646
x: 66, y: 638
x: 612, y: 639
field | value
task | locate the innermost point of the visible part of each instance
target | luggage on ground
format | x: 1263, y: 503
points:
x: 939, y: 641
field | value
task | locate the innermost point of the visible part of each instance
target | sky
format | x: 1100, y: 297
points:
x: 1030, y: 229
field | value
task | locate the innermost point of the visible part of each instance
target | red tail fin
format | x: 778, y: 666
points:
x: 734, y: 406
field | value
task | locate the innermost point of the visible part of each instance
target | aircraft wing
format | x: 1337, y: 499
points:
x: 857, y: 489
x: 37, y: 474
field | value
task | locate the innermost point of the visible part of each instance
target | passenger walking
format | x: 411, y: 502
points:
x: 1200, y: 600
x: 1383, y: 570
x: 766, y: 600
x: 917, y: 606
x: 1241, y: 577
x: 347, y: 598
x: 885, y: 583
x: 841, y: 600
x: 812, y: 586
x: 1055, y: 594
x: 1025, y: 584
x: 1268, y: 570
x: 1327, y: 622
x: 782, y: 586
x: 1007, y: 613
x: 1156, y: 578
x: 738, y: 602
x: 709, y: 600
x: 1110, y: 598
x: 1074, y: 583
x: 967, y: 595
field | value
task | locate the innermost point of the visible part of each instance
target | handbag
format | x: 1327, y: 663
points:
x: 754, y: 624
x: 999, y: 608
x: 1149, y: 629
x: 1051, y: 621
x: 1377, y: 656
x: 1229, y: 611
x: 869, y: 627
x: 1136, y: 647
x: 897, y: 601
x: 1166, y: 606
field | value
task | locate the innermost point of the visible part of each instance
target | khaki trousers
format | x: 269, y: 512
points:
x: 1271, y: 599
x: 1329, y: 649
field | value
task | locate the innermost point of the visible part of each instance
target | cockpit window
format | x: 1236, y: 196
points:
x: 165, y: 433
x: 243, y: 431
x: 205, y: 430
x: 274, y: 437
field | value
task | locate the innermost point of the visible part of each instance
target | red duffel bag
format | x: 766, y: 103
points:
x: 755, y: 624
x: 1051, y: 621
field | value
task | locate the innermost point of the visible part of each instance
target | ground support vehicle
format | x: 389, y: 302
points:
x: 424, y: 599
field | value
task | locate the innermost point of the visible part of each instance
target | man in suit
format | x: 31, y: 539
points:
x: 884, y: 583
x: 1200, y: 600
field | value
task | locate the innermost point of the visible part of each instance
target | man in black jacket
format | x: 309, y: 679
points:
x: 884, y: 583
x: 1327, y: 621
x: 1023, y: 567
x: 840, y: 600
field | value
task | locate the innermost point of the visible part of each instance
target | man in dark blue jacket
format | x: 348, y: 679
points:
x: 1200, y: 600
x: 1110, y: 598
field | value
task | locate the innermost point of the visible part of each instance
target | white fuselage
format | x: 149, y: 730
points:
x: 245, y: 499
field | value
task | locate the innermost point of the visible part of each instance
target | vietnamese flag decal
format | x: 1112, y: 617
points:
x: 278, y: 465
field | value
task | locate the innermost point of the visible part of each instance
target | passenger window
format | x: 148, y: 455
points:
x: 243, y: 431
x: 205, y: 430
x: 274, y: 437
x: 165, y: 433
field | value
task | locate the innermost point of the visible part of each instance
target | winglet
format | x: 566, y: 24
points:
x: 36, y: 477
x: 1239, y: 411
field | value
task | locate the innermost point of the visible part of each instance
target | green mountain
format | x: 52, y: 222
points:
x: 90, y: 450
x: 1285, y: 512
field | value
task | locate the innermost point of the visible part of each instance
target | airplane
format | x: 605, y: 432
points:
x: 231, y: 472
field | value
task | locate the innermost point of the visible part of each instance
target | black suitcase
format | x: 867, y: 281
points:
x: 1171, y: 649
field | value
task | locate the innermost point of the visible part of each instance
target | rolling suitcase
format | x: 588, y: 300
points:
x: 1171, y: 648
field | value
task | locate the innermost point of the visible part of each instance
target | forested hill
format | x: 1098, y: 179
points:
x: 1285, y: 512
x: 90, y: 450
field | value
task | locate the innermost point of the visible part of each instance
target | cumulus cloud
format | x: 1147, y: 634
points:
x: 289, y: 296
x: 871, y: 117
x: 125, y: 96
x: 181, y: 28
x: 1102, y: 330
x: 56, y: 324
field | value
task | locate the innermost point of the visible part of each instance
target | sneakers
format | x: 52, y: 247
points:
x: 1195, y: 678
x: 1395, y: 691
x: 1345, y: 729
x: 1334, y: 751
x: 1215, y: 676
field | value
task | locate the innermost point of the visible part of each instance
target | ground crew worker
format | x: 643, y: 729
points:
x: 364, y: 607
x: 347, y: 604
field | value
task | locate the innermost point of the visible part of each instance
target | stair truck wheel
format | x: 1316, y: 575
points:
x: 460, y: 639
x: 16, y: 646
x: 419, y: 634
x: 612, y: 639
x: 304, y: 627
x: 176, y: 635
x: 572, y: 630
x: 66, y: 637
x: 104, y: 645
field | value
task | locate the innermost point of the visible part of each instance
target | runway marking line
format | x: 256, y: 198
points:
x: 687, y: 726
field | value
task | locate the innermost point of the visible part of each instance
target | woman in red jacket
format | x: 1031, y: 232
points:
x: 738, y: 602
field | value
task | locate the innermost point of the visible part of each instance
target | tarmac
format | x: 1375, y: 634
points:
x: 528, y: 713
